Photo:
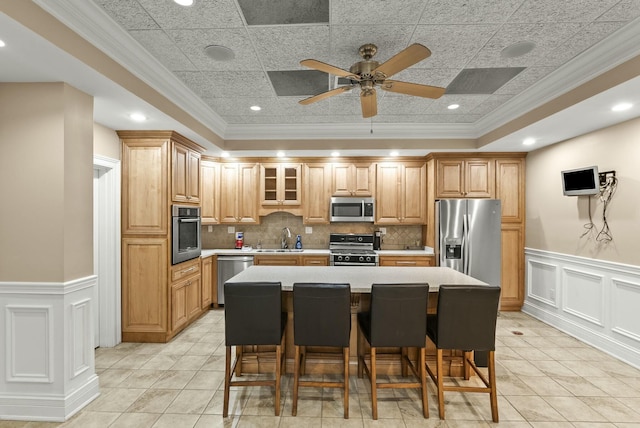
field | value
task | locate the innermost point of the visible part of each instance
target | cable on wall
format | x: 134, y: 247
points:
x: 608, y: 186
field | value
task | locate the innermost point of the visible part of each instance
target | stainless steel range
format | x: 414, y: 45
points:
x: 352, y: 249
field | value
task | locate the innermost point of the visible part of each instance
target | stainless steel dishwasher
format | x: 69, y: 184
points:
x: 228, y: 267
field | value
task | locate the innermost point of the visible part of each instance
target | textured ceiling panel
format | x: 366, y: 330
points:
x: 298, y: 82
x: 269, y: 12
x: 481, y: 80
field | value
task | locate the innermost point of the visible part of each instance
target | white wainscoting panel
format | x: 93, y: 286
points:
x: 29, y: 343
x: 47, y: 363
x: 594, y: 300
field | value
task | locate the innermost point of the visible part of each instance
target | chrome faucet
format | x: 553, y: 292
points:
x: 286, y: 233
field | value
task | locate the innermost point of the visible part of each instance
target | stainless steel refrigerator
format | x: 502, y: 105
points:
x: 468, y: 237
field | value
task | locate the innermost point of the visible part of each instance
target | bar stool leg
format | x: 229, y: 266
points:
x: 403, y: 362
x: 492, y: 380
x: 227, y: 381
x: 278, y: 372
x: 440, y: 383
x: 239, y: 359
x: 423, y: 381
x: 374, y: 386
x: 346, y: 382
x: 296, y: 380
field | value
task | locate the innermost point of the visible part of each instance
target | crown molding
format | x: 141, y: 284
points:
x: 94, y: 25
x: 350, y: 131
x: 619, y: 47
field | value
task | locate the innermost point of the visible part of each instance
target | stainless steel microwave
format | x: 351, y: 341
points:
x: 352, y: 210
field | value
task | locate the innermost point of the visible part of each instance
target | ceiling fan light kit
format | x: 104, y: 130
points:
x: 369, y: 74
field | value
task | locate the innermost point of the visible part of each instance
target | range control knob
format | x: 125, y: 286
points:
x: 359, y: 238
x: 339, y: 258
x: 360, y: 259
x: 368, y: 259
x: 346, y: 258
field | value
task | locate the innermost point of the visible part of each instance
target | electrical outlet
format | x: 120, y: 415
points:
x: 210, y: 229
x: 383, y: 231
x: 231, y: 229
x: 308, y: 230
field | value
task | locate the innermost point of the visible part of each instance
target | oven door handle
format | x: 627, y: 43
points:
x: 188, y: 220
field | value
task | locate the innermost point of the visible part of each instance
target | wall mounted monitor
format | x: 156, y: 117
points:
x: 580, y: 181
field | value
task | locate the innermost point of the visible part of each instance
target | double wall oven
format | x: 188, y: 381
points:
x: 185, y: 231
x: 352, y: 249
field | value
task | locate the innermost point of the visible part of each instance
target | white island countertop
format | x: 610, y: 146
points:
x: 359, y: 277
x: 306, y: 251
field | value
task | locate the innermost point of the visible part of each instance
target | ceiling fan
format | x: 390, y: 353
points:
x: 369, y: 73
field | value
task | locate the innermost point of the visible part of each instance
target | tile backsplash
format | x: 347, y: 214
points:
x: 269, y: 230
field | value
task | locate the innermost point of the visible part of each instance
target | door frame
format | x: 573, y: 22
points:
x: 109, y: 292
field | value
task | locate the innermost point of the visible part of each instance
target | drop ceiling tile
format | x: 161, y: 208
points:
x: 298, y: 82
x: 285, y: 12
x: 561, y: 11
x: 482, y: 80
x: 347, y: 39
x: 491, y: 103
x: 582, y: 40
x: 129, y: 14
x: 292, y: 120
x: 376, y: 11
x: 203, y: 14
x: 624, y: 10
x: 193, y: 43
x: 282, y: 48
x: 403, y: 105
x: 468, y: 11
x: 522, y: 81
x: 428, y: 118
x: 227, y: 84
x: 546, y: 36
x: 197, y: 82
x: 427, y: 76
x: 164, y: 49
x: 452, y: 45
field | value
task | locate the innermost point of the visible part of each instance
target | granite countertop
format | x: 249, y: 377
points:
x: 307, y: 251
x: 360, y: 278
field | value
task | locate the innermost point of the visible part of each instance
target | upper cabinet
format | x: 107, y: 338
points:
x: 280, y: 184
x: 510, y: 189
x: 401, y: 193
x: 210, y: 190
x: 353, y: 179
x: 317, y: 188
x: 185, y: 170
x: 465, y: 178
x: 238, y: 193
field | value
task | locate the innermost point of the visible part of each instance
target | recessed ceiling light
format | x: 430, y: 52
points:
x: 621, y: 107
x: 184, y: 2
x: 528, y: 141
x: 255, y: 108
x: 138, y: 117
x: 2, y: 44
x: 224, y: 154
x: 280, y: 154
x: 453, y: 106
x: 394, y: 153
x: 219, y: 53
x: 335, y: 154
x: 517, y: 49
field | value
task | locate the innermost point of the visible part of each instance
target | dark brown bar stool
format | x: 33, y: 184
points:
x: 321, y: 317
x: 253, y: 316
x: 397, y: 318
x: 466, y: 320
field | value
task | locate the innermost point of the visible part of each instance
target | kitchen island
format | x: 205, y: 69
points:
x: 360, y: 279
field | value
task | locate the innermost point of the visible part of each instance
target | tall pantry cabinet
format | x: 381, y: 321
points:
x: 159, y: 168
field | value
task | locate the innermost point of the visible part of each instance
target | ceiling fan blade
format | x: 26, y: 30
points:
x: 415, y: 89
x: 369, y: 103
x: 403, y: 59
x: 324, y: 95
x: 327, y: 68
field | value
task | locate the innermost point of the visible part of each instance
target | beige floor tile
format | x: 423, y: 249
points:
x: 535, y: 409
x: 191, y: 401
x: 141, y: 379
x: 615, y: 387
x: 432, y: 422
x: 579, y: 386
x: 544, y: 386
x: 344, y: 423
x: 115, y: 399
x: 386, y: 423
x: 250, y: 421
x: 161, y: 362
x: 213, y: 363
x: 113, y: 377
x: 574, y: 409
x: 132, y: 361
x: 190, y: 362
x: 522, y: 367
x: 202, y: 348
x: 88, y: 419
x: 553, y: 368
x: 174, y: 379
x: 138, y: 420
x: 206, y: 380
x: 237, y: 401
x: 176, y: 348
x: 512, y: 385
x: 153, y: 401
x: 150, y: 348
x: 169, y: 420
x: 216, y: 421
x: 599, y: 425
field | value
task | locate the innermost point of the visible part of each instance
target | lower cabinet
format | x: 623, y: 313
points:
x: 209, y: 270
x: 407, y: 261
x: 284, y: 260
x: 315, y: 260
x: 186, y: 303
x: 512, y: 295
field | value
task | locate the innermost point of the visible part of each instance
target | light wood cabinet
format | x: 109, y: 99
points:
x: 185, y: 173
x: 280, y: 184
x: 144, y: 289
x: 316, y: 197
x: 276, y: 260
x: 145, y: 186
x: 406, y: 261
x: 315, y: 260
x: 186, y: 303
x: 208, y: 269
x: 401, y: 193
x: 510, y: 189
x: 238, y: 193
x: 465, y: 178
x: 353, y: 179
x: 512, y: 295
x: 210, y: 189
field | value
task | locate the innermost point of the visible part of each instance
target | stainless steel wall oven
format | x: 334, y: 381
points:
x: 185, y: 231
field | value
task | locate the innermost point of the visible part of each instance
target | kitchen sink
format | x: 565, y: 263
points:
x: 282, y: 250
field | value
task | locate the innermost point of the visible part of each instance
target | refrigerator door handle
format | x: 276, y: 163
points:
x: 465, y: 244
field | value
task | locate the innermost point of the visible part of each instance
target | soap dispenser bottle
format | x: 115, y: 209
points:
x: 298, y: 242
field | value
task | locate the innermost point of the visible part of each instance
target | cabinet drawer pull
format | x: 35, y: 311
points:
x: 192, y: 268
x: 406, y: 262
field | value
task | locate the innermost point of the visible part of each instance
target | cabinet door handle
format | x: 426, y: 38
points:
x: 405, y: 262
x: 188, y: 270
